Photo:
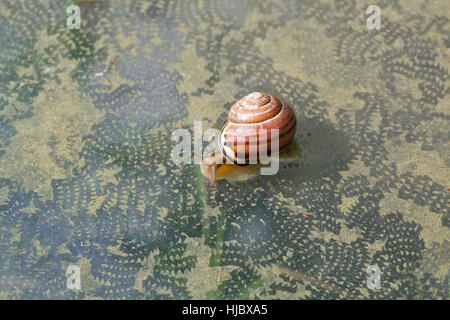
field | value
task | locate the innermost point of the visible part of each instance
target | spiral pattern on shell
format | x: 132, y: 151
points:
x: 248, y: 135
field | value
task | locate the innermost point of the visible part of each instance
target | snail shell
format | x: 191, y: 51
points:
x: 247, y: 117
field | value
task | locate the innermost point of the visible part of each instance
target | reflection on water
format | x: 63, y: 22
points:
x: 86, y: 177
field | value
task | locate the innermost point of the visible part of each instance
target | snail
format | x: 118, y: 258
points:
x: 247, y: 137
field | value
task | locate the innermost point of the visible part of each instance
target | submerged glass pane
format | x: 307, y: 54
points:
x: 92, y: 205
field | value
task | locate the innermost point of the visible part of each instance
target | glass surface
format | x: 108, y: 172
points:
x: 88, y: 188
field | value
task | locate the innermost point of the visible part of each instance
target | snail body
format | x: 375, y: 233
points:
x: 249, y: 136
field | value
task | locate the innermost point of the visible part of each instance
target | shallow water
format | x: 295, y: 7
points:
x: 87, y: 180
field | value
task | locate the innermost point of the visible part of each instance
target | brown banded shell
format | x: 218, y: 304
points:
x: 248, y: 131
